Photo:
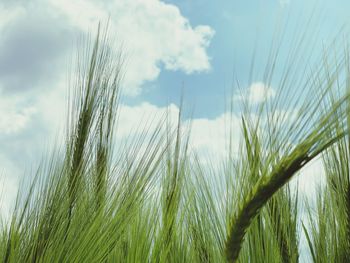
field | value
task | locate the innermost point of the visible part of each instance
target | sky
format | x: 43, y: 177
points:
x: 197, y: 48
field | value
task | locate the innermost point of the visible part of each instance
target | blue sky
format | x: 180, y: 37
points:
x: 192, y: 45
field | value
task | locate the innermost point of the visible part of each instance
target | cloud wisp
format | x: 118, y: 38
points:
x: 256, y: 93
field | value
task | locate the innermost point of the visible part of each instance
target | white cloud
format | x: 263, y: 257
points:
x: 153, y: 33
x: 9, y: 14
x: 52, y: 105
x: 134, y: 119
x: 8, y: 186
x: 257, y: 92
x: 284, y: 3
x: 311, y: 177
x: 14, y: 116
x: 211, y: 138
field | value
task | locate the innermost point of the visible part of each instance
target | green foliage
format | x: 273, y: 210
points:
x: 155, y: 201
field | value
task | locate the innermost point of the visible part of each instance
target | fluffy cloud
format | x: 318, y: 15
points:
x: 134, y: 119
x: 154, y: 35
x: 38, y: 36
x: 14, y: 114
x: 211, y: 138
x: 8, y: 187
x: 311, y: 177
x: 9, y: 14
x: 257, y: 92
x: 284, y: 3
